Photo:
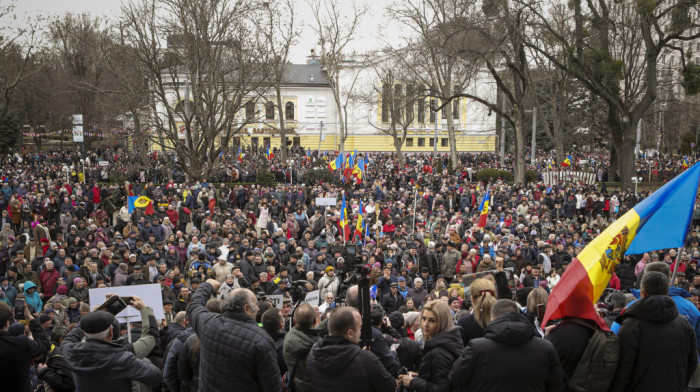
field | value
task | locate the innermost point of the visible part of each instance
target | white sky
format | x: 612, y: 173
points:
x: 367, y: 39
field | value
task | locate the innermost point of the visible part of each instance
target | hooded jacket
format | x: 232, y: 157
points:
x: 506, y: 342
x: 33, y: 300
x: 106, y: 367
x: 439, y: 354
x: 672, y: 358
x: 339, y: 365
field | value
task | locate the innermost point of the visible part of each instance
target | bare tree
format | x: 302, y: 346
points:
x: 613, y: 48
x: 335, y: 30
x: 434, y: 52
x: 398, y: 98
x: 19, y: 40
x: 279, y: 27
x: 205, y: 83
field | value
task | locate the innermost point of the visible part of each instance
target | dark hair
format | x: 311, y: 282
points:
x: 271, y: 321
x: 654, y: 283
x: 305, y: 316
x: 503, y: 306
x: 57, y: 334
x: 618, y: 300
x: 377, y: 315
x: 263, y: 306
x: 5, y: 314
x: 341, y: 320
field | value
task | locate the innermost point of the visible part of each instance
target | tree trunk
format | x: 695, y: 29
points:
x: 452, y: 136
x: 626, y: 157
x: 398, y: 144
x: 559, y: 148
x: 519, y: 148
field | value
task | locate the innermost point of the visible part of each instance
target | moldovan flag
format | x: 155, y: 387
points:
x: 685, y: 163
x: 359, y: 226
x: 336, y: 163
x: 643, y: 228
x: 567, y: 161
x: 140, y: 202
x: 484, y: 208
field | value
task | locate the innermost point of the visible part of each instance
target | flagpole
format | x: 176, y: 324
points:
x: 675, y: 268
x: 415, y: 196
x: 343, y: 214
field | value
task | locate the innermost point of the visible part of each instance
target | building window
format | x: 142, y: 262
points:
x: 398, y: 94
x: 386, y: 93
x: 409, y: 142
x: 432, y: 142
x: 433, y: 113
x: 410, y: 99
x: 269, y: 111
x: 289, y: 111
x: 266, y: 142
x: 443, y: 142
x: 249, y: 110
x: 421, y: 142
x: 421, y: 104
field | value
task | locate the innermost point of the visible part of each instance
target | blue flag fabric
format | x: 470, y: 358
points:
x: 664, y: 217
x: 130, y: 203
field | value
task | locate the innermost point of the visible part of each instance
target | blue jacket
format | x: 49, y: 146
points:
x: 686, y: 309
x: 33, y: 299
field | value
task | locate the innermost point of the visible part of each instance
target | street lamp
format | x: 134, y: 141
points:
x: 636, y: 181
x: 434, y: 108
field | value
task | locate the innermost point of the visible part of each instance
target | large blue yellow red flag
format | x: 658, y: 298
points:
x: 567, y: 161
x: 239, y: 155
x: 336, y: 163
x: 685, y: 163
x: 269, y: 153
x: 550, y: 166
x: 643, y: 228
x: 484, y: 209
x: 358, y: 170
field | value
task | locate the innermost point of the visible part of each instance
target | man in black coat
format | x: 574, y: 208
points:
x: 392, y: 300
x: 99, y: 364
x: 17, y: 351
x: 658, y: 350
x: 508, y: 339
x: 338, y: 364
x: 250, y: 351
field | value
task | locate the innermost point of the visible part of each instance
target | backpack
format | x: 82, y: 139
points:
x: 598, y: 364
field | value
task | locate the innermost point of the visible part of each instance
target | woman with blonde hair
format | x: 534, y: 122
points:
x: 483, y: 293
x: 442, y: 346
x: 536, y: 305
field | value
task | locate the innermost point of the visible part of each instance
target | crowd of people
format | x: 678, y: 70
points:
x: 454, y: 305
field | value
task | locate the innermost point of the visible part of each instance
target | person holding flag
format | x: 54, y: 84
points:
x: 643, y: 228
x: 359, y: 226
x: 484, y: 209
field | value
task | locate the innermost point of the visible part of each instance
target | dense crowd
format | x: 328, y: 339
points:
x: 454, y: 306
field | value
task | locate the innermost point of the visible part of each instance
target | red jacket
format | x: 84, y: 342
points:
x: 49, y: 282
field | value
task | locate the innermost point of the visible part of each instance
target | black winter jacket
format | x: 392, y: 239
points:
x: 15, y: 354
x: 509, y: 347
x: 439, y: 354
x: 625, y: 271
x: 469, y: 329
x: 339, y: 365
x: 101, y: 366
x: 232, y: 341
x: 658, y: 351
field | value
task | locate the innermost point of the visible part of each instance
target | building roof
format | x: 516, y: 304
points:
x: 302, y: 75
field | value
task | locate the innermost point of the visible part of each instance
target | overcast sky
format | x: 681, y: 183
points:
x: 367, y: 39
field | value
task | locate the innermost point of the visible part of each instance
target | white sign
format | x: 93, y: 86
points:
x: 149, y: 293
x: 77, y: 119
x: 77, y: 133
x: 312, y: 298
x: 326, y: 201
x: 276, y: 300
x: 103, y: 163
